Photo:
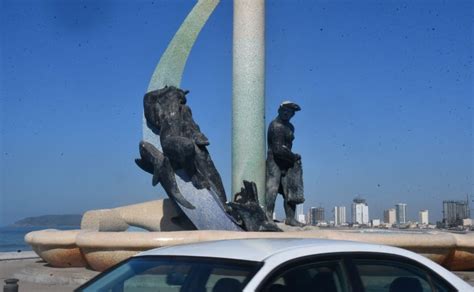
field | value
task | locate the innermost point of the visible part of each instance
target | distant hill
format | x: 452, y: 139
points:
x: 50, y: 221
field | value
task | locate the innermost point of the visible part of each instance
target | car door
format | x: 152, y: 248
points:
x: 358, y: 272
x: 380, y: 272
x: 308, y: 274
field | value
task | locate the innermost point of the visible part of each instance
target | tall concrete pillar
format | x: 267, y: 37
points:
x: 248, y: 95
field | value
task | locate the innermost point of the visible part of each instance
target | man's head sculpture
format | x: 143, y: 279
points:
x: 287, y: 110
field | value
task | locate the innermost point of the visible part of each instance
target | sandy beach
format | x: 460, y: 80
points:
x: 36, y: 275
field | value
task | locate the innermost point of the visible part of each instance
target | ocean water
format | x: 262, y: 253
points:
x: 12, y: 238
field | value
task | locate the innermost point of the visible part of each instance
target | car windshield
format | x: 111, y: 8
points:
x: 154, y: 273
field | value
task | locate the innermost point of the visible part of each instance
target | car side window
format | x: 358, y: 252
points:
x: 395, y: 276
x: 325, y: 276
x: 226, y: 280
x: 169, y: 277
x: 175, y: 274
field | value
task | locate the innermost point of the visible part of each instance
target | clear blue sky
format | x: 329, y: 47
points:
x: 385, y: 87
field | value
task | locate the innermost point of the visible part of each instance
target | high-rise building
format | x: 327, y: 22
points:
x: 312, y: 216
x: 389, y: 216
x: 401, y: 213
x: 423, y: 214
x: 300, y: 214
x: 302, y: 218
x: 455, y: 211
x: 319, y: 214
x: 339, y: 215
x: 360, y: 211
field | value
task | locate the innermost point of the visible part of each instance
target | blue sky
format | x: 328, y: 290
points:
x: 385, y: 87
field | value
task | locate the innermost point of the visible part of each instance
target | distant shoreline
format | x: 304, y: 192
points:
x: 39, y: 227
x: 50, y: 221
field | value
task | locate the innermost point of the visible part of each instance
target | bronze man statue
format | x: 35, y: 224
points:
x: 284, y: 168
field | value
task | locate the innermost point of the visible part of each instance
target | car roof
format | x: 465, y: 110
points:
x: 261, y: 249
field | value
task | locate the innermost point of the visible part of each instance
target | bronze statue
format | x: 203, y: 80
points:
x: 184, y: 156
x: 284, y: 168
x: 183, y: 143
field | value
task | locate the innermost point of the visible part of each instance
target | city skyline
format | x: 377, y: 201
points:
x: 463, y: 207
x: 385, y: 91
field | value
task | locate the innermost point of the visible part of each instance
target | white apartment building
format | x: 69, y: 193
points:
x: 389, y: 216
x: 339, y: 215
x: 401, y: 210
x: 300, y: 214
x: 360, y: 211
x: 302, y: 218
x: 423, y: 217
x: 455, y: 211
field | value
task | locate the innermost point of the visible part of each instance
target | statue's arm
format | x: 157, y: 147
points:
x: 151, y: 109
x: 284, y: 153
x: 156, y: 115
x: 148, y: 107
x: 278, y: 145
x: 199, y: 138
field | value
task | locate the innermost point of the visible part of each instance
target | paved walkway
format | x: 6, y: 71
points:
x: 36, y: 275
x: 466, y: 276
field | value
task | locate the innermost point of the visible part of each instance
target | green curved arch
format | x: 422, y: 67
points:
x: 169, y: 70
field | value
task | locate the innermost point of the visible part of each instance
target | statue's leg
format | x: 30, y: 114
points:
x: 290, y: 211
x: 273, y: 174
x: 270, y: 198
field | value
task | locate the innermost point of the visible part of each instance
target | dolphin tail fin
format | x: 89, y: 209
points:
x: 156, y: 176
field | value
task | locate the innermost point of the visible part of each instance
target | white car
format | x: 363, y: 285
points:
x: 277, y: 265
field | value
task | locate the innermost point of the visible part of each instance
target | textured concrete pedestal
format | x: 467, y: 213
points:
x: 57, y: 248
x: 152, y: 216
x: 99, y: 246
x: 101, y: 250
x: 248, y: 96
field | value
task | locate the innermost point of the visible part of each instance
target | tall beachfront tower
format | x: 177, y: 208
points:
x: 423, y: 217
x: 360, y: 211
x: 339, y: 215
x: 401, y: 212
x: 455, y: 211
x: 390, y: 216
